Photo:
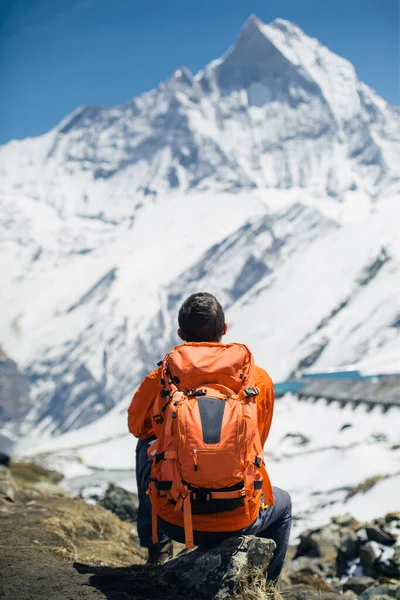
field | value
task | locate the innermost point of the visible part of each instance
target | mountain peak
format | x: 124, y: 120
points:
x: 252, y: 23
x: 257, y: 56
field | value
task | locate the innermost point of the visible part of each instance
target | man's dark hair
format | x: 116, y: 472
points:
x: 201, y: 318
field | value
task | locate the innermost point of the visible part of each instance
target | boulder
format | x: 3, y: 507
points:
x: 122, y: 503
x: 305, y: 564
x: 346, y: 521
x: 308, y: 571
x: 5, y: 459
x: 348, y: 551
x: 377, y: 534
x: 323, y: 542
x: 369, y: 553
x: 380, y: 591
x: 216, y: 573
x: 387, y: 568
x: 94, y: 492
x: 8, y: 486
x: 358, y: 584
x: 396, y: 557
x: 392, y: 516
x: 362, y: 536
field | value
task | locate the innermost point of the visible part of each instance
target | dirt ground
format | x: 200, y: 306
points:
x: 59, y: 548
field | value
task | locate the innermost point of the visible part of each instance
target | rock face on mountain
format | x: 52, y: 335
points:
x: 14, y: 390
x: 15, y: 399
x: 266, y: 178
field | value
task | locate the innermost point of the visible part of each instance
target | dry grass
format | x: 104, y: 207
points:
x: 255, y: 587
x: 88, y: 534
x: 27, y: 473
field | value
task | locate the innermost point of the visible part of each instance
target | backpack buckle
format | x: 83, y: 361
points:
x: 251, y: 392
x: 258, y: 462
x: 196, y: 393
x: 159, y: 457
x: 202, y: 495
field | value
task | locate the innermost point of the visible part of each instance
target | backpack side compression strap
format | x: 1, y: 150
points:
x: 187, y: 521
x: 154, y: 512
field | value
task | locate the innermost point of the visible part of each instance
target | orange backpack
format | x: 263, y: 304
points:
x: 208, y: 456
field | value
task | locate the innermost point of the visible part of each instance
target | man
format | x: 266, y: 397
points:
x: 202, y: 321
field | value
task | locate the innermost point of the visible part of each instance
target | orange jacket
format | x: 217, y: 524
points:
x: 140, y: 425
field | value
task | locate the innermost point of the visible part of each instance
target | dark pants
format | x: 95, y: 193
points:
x: 273, y: 522
x: 143, y: 468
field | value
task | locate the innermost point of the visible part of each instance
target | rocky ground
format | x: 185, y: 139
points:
x: 54, y: 547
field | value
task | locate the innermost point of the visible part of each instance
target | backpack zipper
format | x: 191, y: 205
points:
x: 196, y: 466
x: 195, y: 452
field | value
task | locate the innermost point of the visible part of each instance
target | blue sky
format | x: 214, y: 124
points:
x: 58, y: 54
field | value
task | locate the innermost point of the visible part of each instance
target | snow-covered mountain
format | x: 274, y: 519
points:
x: 270, y: 178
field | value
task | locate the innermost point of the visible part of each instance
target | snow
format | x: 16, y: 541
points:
x: 314, y: 282
x: 383, y: 498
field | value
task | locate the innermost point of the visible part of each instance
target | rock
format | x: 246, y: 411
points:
x: 388, y: 569
x: 8, y: 487
x: 348, y: 543
x: 5, y: 459
x: 306, y: 592
x: 396, y: 557
x: 369, y: 553
x: 377, y: 534
x: 94, y: 492
x: 122, y: 503
x: 362, y: 536
x: 305, y: 564
x: 15, y: 399
x: 358, y: 584
x: 309, y: 571
x: 382, y: 591
x: 323, y: 543
x: 349, y: 595
x: 346, y: 521
x: 392, y: 516
x: 348, y: 551
x: 45, y: 488
x: 216, y: 573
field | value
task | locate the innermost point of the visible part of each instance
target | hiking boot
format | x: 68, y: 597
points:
x: 157, y: 555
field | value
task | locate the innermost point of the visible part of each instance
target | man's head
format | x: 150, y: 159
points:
x: 201, y: 319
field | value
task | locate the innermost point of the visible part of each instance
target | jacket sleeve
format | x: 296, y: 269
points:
x: 265, y: 403
x: 140, y: 409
